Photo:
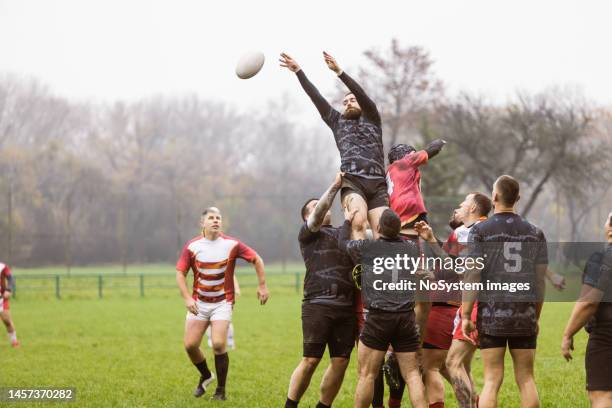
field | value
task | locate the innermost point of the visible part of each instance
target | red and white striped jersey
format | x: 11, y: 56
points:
x: 5, y: 272
x: 213, y: 263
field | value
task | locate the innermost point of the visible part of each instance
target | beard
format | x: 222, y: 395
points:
x: 454, y: 223
x: 352, y: 113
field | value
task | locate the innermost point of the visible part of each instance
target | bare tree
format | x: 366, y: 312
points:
x: 404, y: 86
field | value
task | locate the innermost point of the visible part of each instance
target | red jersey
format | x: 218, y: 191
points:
x: 404, y: 186
x: 213, y: 263
x: 5, y: 274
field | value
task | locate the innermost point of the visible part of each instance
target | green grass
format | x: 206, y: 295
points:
x: 124, y: 350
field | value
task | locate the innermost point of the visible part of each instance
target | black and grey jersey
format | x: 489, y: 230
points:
x: 359, y: 141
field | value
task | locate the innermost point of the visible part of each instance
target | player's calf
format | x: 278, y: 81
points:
x: 300, y: 380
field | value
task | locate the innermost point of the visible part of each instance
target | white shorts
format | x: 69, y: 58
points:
x: 212, y: 311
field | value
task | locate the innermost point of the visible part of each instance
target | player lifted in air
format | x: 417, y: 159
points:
x: 6, y: 290
x: 358, y: 135
x: 212, y: 258
x: 328, y: 316
x: 404, y: 183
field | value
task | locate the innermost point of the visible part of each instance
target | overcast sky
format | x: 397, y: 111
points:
x: 109, y: 50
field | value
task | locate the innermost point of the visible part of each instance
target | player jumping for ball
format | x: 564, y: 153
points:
x: 6, y: 285
x: 212, y: 258
x: 358, y: 135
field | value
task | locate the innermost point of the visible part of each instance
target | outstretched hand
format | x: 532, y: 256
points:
x: 287, y: 62
x: 331, y: 63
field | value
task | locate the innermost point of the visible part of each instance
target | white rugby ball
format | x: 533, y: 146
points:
x: 250, y: 64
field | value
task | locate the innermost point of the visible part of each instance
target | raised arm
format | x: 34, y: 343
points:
x: 324, y: 108
x: 434, y: 147
x: 316, y: 217
x: 368, y: 107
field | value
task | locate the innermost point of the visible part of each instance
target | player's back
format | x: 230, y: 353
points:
x: 512, y: 249
x: 328, y: 276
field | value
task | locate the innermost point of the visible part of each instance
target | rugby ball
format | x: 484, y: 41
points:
x: 249, y: 64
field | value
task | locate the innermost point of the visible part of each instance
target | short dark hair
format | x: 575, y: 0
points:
x: 390, y: 224
x: 210, y: 209
x: 348, y: 93
x: 304, y: 210
x: 508, y: 189
x: 483, y: 203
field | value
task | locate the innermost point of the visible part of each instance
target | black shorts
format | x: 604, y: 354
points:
x: 598, y: 361
x: 373, y: 190
x: 514, y: 343
x: 395, y: 328
x: 334, y: 326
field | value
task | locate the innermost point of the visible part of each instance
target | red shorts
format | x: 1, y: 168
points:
x: 458, y: 331
x: 4, y: 304
x: 439, y: 333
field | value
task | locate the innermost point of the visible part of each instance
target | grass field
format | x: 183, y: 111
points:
x: 124, y: 350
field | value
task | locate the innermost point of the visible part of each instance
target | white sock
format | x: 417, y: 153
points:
x: 13, y: 336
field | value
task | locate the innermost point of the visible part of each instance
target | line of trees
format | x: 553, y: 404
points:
x: 84, y: 183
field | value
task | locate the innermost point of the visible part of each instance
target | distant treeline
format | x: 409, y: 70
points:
x: 122, y: 183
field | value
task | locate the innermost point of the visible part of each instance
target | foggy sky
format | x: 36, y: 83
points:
x: 109, y: 50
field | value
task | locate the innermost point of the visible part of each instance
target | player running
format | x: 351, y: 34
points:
x: 404, y: 182
x: 391, y: 320
x: 594, y: 312
x: 358, y: 135
x: 514, y: 251
x: 6, y: 290
x: 445, y: 344
x: 212, y: 258
x: 328, y: 314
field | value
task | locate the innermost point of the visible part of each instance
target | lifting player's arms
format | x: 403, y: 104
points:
x: 358, y: 135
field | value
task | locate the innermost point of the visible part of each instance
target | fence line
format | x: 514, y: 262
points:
x: 55, y: 282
